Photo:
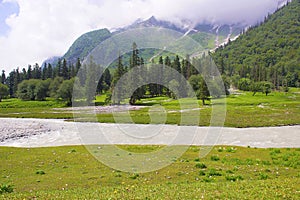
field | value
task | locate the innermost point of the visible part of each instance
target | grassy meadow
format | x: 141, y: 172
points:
x: 226, y: 172
x: 242, y: 110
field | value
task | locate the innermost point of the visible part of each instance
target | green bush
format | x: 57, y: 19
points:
x: 213, y: 172
x: 263, y: 176
x: 40, y: 172
x: 200, y: 165
x: 201, y: 173
x: 234, y: 178
x: 214, y: 158
x: 134, y: 176
x: 6, y: 189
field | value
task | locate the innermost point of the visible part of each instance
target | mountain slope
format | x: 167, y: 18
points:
x: 267, y: 52
x: 85, y: 44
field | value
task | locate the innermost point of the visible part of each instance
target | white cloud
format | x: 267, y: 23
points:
x: 45, y: 28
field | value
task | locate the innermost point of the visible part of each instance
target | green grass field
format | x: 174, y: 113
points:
x: 226, y: 172
x: 242, y: 110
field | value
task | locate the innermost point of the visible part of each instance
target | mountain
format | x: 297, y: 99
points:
x: 208, y: 35
x: 153, y: 22
x: 269, y: 51
x: 85, y: 44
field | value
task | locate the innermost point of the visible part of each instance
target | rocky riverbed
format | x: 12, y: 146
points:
x: 53, y: 132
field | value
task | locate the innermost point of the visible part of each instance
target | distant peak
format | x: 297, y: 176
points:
x: 152, y: 19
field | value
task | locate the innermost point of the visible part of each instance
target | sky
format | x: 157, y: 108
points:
x: 33, y: 30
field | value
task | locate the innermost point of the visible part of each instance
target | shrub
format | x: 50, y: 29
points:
x: 266, y: 162
x: 201, y: 173
x: 207, y: 180
x: 229, y: 172
x: 231, y: 150
x: 200, y: 165
x: 40, y: 172
x: 213, y: 172
x: 234, y: 178
x: 263, y: 176
x: 214, y: 158
x: 6, y: 189
x: 134, y: 176
x: 244, y: 84
x: 4, y: 91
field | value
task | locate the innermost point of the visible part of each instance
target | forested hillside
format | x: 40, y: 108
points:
x: 85, y: 44
x: 269, y: 51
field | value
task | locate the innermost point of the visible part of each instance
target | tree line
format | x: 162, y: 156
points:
x: 38, y: 83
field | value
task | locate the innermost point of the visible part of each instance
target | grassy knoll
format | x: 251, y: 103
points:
x: 226, y: 172
x: 243, y: 110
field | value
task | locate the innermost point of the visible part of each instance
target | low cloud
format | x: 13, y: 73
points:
x: 45, y: 28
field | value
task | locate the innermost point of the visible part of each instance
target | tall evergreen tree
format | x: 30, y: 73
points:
x: 16, y: 81
x: 24, y: 74
x: 78, y: 65
x: 3, y: 77
x: 29, y: 72
x: 91, y: 82
x: 58, y: 69
x: 49, y: 71
x: 64, y: 70
x: 136, y: 78
x: 10, y: 82
x: 37, y: 72
x: 120, y: 71
x: 44, y: 72
x: 118, y: 88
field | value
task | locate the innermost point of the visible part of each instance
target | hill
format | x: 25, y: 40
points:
x: 269, y: 51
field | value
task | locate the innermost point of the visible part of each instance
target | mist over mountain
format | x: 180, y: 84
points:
x: 209, y: 36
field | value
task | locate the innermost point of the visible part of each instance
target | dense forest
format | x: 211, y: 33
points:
x: 263, y: 58
x: 269, y: 51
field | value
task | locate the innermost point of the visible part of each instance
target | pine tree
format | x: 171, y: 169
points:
x: 37, y: 73
x: 44, y: 72
x: 58, y: 69
x: 64, y: 70
x: 3, y: 77
x: 24, y: 74
x: 50, y: 71
x: 136, y: 78
x: 118, y: 88
x: 72, y: 71
x: 29, y: 72
x: 107, y: 77
x: 176, y: 64
x: 91, y: 82
x: 160, y: 75
x: 16, y: 81
x: 78, y: 65
x: 120, y: 71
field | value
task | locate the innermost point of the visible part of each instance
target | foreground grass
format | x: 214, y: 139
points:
x: 226, y: 172
x: 242, y: 110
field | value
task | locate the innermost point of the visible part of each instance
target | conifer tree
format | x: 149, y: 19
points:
x: 3, y: 77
